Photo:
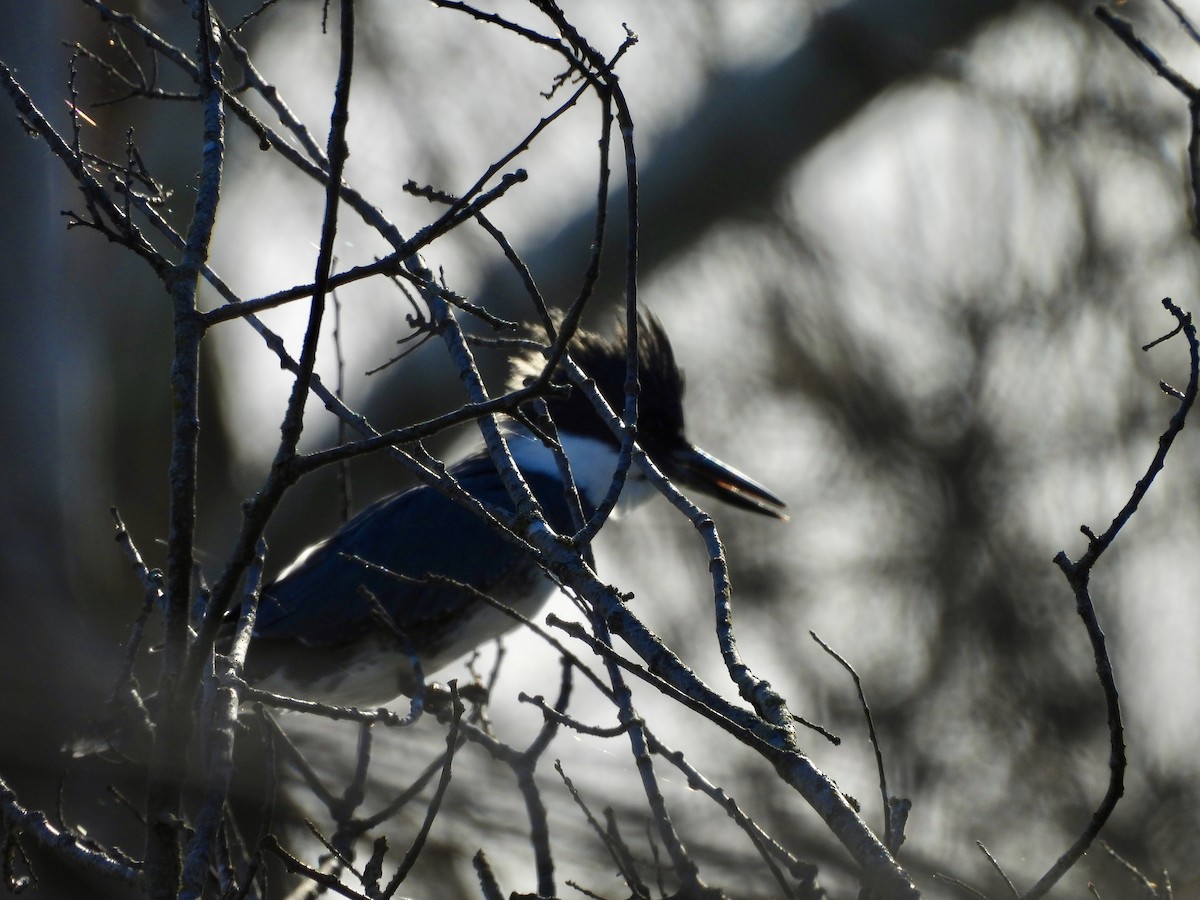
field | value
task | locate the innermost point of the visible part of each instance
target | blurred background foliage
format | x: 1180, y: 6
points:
x: 907, y: 253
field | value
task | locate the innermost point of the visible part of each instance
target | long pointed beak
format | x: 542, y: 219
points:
x: 691, y: 467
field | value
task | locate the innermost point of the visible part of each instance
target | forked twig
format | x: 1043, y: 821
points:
x: 1078, y: 574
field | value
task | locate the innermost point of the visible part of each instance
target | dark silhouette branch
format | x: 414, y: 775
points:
x: 1078, y: 575
x: 176, y: 683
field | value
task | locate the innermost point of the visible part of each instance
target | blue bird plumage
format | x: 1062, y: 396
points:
x: 319, y: 596
x: 317, y: 636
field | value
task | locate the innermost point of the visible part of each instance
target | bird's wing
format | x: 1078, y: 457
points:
x: 413, y: 534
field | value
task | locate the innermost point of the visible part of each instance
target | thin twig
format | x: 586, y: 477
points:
x: 182, y: 666
x: 435, y: 804
x: 488, y: 886
x: 768, y: 848
x: 1012, y: 889
x: 34, y: 824
x: 326, y: 880
x: 220, y: 736
x: 1078, y: 574
x: 1123, y: 29
x: 890, y: 839
x: 624, y: 865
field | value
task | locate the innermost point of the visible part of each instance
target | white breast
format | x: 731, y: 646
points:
x: 593, y: 464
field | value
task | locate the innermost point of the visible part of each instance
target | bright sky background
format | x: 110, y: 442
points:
x: 938, y: 210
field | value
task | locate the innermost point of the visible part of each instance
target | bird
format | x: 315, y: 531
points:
x: 423, y: 558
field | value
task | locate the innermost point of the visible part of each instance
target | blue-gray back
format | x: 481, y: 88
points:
x: 412, y: 534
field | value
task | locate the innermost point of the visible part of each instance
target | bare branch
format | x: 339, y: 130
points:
x: 1078, y: 574
x: 68, y: 847
x: 891, y: 839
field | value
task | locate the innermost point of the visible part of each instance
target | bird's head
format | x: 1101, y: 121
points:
x: 661, y: 432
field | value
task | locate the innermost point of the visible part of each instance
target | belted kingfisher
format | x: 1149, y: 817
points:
x: 318, y: 636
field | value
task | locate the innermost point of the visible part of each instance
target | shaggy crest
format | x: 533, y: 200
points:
x: 660, y: 400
